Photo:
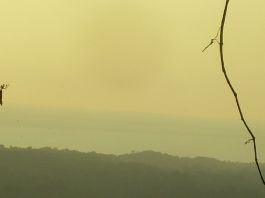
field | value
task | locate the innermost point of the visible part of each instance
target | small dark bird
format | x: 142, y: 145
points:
x: 2, y: 87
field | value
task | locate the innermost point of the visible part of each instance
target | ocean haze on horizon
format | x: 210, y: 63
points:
x: 124, y: 132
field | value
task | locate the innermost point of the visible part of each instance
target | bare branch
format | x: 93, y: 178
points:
x: 2, y: 87
x: 253, y: 138
x: 213, y: 40
x: 235, y: 93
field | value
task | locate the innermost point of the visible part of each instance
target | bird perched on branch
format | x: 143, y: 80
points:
x: 2, y: 87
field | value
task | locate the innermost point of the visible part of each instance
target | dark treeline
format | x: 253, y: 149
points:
x: 46, y: 172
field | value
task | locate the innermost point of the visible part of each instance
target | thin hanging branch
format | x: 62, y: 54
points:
x: 221, y: 43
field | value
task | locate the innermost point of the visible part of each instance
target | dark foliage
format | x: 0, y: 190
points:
x: 46, y: 172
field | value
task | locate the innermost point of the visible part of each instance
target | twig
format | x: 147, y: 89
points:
x: 253, y: 138
x: 2, y: 87
x: 213, y: 40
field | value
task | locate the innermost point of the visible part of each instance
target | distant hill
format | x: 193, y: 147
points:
x: 52, y: 173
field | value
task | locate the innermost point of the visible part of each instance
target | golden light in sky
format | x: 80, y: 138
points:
x: 132, y: 56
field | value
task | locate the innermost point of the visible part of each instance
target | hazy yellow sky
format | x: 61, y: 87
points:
x: 133, y: 56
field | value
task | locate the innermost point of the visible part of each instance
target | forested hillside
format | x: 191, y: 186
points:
x: 46, y: 172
